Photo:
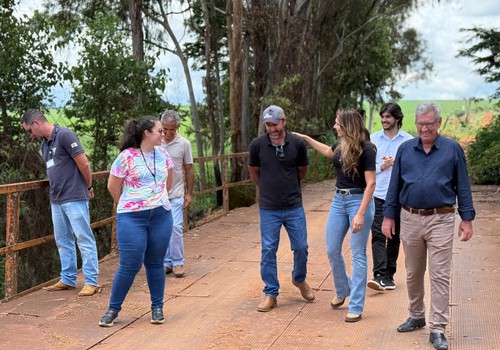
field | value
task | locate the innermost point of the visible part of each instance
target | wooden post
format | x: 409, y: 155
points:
x: 12, y: 236
x: 225, y: 184
x: 315, y: 168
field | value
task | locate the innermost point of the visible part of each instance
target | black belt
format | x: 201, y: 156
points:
x: 345, y: 191
x: 427, y: 212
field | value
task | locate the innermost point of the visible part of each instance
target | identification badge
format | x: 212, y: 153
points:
x: 50, y: 163
x: 157, y: 189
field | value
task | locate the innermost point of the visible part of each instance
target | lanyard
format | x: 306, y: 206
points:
x: 154, y: 164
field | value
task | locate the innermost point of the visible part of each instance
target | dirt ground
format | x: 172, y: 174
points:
x: 214, y: 306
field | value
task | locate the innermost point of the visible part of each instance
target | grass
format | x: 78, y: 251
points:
x: 456, y: 123
x: 461, y: 118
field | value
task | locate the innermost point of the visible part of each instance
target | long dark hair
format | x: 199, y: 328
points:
x: 134, y: 131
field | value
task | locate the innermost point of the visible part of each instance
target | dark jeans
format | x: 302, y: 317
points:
x: 143, y: 238
x: 385, y: 251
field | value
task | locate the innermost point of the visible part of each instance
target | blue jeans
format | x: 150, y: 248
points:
x: 72, y: 219
x: 271, y: 221
x: 143, y: 237
x: 175, y: 251
x: 342, y: 212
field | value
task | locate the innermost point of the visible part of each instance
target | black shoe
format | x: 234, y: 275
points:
x: 377, y: 283
x: 438, y: 341
x: 109, y: 318
x: 157, y: 315
x: 389, y: 283
x: 168, y: 270
x: 411, y: 325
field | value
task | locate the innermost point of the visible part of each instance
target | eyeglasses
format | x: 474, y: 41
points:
x: 29, y: 131
x: 160, y: 130
x: 429, y: 126
x: 280, y: 152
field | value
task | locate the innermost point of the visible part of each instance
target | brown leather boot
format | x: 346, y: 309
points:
x: 59, y: 286
x: 305, y: 290
x: 88, y: 290
x: 267, y: 304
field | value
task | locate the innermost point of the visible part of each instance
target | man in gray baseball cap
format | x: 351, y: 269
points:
x: 280, y: 155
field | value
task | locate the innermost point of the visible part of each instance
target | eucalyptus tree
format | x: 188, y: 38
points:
x: 159, y: 13
x: 107, y: 78
x: 340, y: 51
x: 110, y: 81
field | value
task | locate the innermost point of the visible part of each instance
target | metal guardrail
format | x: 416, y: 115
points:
x: 13, y: 204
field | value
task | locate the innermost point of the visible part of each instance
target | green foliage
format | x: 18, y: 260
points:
x: 278, y: 96
x: 486, y: 54
x: 484, y: 155
x: 27, y: 69
x: 110, y: 86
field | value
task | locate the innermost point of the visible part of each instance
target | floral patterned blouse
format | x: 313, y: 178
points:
x: 145, y: 179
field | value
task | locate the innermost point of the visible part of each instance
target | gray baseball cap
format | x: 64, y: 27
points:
x: 273, y: 114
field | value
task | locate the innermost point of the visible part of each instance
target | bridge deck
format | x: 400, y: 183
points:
x: 214, y: 306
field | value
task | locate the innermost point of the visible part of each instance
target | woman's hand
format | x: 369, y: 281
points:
x: 357, y: 223
x: 298, y: 134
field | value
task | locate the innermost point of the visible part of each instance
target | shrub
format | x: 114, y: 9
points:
x: 484, y: 155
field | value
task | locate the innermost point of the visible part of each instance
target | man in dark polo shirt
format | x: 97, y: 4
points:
x: 277, y: 164
x: 70, y: 181
x: 429, y: 176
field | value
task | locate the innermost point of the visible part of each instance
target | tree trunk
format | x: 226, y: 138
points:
x: 245, y: 103
x: 194, y: 109
x: 135, y: 13
x: 234, y: 27
x: 5, y: 118
x: 214, y: 140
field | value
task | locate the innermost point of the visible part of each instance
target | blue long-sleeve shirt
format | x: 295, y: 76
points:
x: 430, y: 180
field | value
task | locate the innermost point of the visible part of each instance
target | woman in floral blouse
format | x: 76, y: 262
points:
x: 139, y: 181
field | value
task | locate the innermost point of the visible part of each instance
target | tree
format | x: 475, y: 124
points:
x: 27, y: 68
x: 485, y: 53
x: 157, y: 12
x: 338, y: 53
x: 107, y: 80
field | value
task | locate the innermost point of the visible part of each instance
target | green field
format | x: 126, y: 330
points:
x: 461, y: 119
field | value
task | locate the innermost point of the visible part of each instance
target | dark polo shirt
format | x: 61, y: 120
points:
x: 279, y: 183
x: 66, y: 182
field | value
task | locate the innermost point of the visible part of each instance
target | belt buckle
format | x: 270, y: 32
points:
x: 343, y: 191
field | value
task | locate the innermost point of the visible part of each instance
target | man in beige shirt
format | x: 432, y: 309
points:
x: 179, y: 149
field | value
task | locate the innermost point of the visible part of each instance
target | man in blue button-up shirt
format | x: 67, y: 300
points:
x: 429, y: 177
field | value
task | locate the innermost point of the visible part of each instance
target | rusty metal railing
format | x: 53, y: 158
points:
x: 13, y: 207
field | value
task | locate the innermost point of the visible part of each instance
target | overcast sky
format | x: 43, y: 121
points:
x: 439, y: 25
